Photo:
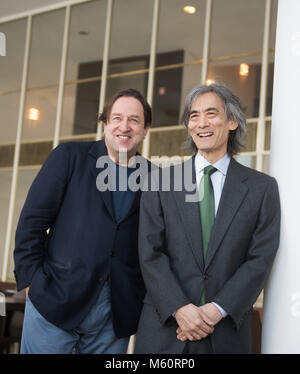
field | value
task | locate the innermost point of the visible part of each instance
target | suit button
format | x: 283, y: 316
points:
x: 112, y: 254
x: 205, y: 276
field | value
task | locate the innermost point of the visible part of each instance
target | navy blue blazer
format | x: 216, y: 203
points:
x: 68, y: 242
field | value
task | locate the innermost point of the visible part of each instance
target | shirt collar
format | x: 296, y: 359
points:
x: 221, y: 165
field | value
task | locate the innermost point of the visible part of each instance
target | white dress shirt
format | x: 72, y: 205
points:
x: 217, y: 179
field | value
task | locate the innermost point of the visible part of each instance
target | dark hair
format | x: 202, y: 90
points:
x: 233, y: 110
x: 129, y: 92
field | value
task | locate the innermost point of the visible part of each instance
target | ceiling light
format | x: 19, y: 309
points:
x: 33, y: 114
x: 162, y: 91
x: 189, y: 9
x: 209, y: 82
x: 244, y: 70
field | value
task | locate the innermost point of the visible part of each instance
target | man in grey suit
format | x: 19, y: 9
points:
x: 206, y: 260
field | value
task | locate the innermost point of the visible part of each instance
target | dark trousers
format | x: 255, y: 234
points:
x: 202, y: 346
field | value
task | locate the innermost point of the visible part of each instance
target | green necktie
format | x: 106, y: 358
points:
x: 207, y: 210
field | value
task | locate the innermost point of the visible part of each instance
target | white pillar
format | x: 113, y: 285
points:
x: 281, y: 316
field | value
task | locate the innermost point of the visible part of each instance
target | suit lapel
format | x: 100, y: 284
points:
x: 97, y: 150
x: 233, y: 194
x: 190, y: 216
x: 137, y: 194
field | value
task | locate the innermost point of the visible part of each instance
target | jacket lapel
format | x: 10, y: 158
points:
x: 190, y: 215
x: 97, y: 150
x: 233, y: 194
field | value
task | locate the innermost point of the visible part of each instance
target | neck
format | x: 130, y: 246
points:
x: 212, y: 158
x: 121, y: 158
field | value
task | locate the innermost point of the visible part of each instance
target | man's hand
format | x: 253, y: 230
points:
x: 212, y: 313
x: 26, y: 291
x: 192, y: 325
x: 209, y: 314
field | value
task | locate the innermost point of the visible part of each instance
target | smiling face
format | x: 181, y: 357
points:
x: 125, y: 128
x: 209, y: 126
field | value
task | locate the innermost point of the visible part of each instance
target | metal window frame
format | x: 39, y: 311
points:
x: 260, y: 152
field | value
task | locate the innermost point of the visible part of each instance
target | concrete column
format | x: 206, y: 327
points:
x: 281, y: 315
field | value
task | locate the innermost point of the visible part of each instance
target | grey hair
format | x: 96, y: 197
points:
x: 233, y: 110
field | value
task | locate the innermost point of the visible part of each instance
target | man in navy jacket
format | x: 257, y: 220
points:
x: 76, y: 246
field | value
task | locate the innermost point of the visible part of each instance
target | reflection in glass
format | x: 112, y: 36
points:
x: 234, y: 41
x: 246, y: 160
x: 46, y: 48
x: 43, y: 74
x: 179, y: 42
x: 268, y: 135
x: 11, y: 66
x: 168, y: 143
x: 86, y: 40
x: 9, y: 105
x: 5, y: 182
x: 247, y: 88
x: 25, y: 179
x: 250, y: 139
x: 45, y: 101
x: 80, y: 108
x: 266, y: 164
x: 84, y: 66
x: 130, y: 46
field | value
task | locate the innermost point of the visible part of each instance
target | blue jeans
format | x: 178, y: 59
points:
x: 95, y: 334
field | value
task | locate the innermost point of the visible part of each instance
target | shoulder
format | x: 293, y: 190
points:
x: 74, y: 147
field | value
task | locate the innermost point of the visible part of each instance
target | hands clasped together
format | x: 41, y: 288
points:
x: 196, y: 323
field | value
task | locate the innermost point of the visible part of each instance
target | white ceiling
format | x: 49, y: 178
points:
x: 12, y: 7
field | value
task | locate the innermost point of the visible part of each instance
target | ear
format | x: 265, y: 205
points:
x: 233, y: 125
x: 146, y: 129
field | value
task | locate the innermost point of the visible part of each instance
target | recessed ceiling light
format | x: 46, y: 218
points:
x: 244, y: 70
x: 209, y: 81
x: 162, y: 91
x: 189, y: 9
x: 33, y: 114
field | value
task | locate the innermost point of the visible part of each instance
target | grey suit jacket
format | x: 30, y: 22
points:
x: 243, y: 245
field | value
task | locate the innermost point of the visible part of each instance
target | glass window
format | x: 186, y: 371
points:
x: 236, y: 41
x: 9, y: 106
x: 40, y: 114
x: 43, y: 75
x: 267, y: 135
x: 5, y: 182
x: 130, y: 46
x: 247, y: 160
x: 266, y: 164
x: 178, y: 61
x: 84, y: 65
x: 169, y: 143
x: 11, y: 68
x: 25, y: 179
x: 250, y: 139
